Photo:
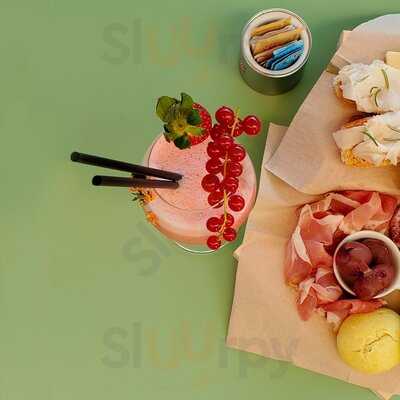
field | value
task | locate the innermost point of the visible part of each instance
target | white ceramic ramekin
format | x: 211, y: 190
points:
x: 394, y: 251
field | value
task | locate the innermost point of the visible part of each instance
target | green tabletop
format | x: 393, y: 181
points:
x: 94, y: 304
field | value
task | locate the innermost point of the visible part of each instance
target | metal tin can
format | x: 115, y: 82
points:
x: 267, y: 81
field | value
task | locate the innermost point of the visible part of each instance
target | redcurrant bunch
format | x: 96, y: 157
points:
x: 224, y: 168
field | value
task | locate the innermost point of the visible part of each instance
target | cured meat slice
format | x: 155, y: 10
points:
x: 338, y: 311
x: 395, y: 227
x: 321, y: 226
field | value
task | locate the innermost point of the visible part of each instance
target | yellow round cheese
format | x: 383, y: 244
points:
x: 370, y: 342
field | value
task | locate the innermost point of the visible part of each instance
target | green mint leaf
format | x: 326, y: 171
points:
x: 194, y: 130
x: 164, y: 104
x: 186, y: 102
x: 182, y: 142
x: 194, y: 117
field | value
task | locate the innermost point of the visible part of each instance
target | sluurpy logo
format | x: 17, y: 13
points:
x: 146, y: 249
x: 142, y: 42
x: 183, y: 344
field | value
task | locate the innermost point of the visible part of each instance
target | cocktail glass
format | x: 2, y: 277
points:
x: 181, y: 214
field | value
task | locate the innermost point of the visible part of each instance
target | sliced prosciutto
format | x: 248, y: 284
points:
x: 321, y: 227
x: 338, y: 311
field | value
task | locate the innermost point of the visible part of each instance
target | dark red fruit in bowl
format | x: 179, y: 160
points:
x: 352, y: 270
x: 354, y: 251
x: 374, y: 282
x: 385, y: 273
x: 380, y: 252
x: 352, y: 261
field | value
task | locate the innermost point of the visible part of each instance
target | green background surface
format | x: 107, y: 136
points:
x: 93, y: 303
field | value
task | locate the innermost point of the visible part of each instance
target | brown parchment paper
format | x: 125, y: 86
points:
x: 264, y: 318
x: 307, y: 157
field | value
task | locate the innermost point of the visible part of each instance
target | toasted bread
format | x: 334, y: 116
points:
x: 347, y: 156
x: 339, y: 93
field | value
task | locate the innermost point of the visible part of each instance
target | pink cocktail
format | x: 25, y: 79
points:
x: 181, y: 214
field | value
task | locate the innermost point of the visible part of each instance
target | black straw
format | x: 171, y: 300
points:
x: 123, y: 166
x: 100, y: 180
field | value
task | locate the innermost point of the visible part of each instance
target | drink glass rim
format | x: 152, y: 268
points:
x: 159, y: 191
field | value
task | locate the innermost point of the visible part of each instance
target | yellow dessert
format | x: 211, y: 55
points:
x: 370, y: 342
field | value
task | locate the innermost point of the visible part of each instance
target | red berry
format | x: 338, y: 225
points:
x: 228, y: 219
x: 206, y: 122
x: 213, y: 242
x: 233, y: 168
x: 236, y: 202
x: 230, y: 184
x: 237, y: 153
x: 225, y: 142
x: 214, y: 166
x: 214, y: 224
x: 214, y: 151
x: 217, y: 131
x: 229, y: 234
x: 210, y: 183
x: 251, y: 125
x: 215, y: 197
x: 225, y: 116
x: 238, y: 129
